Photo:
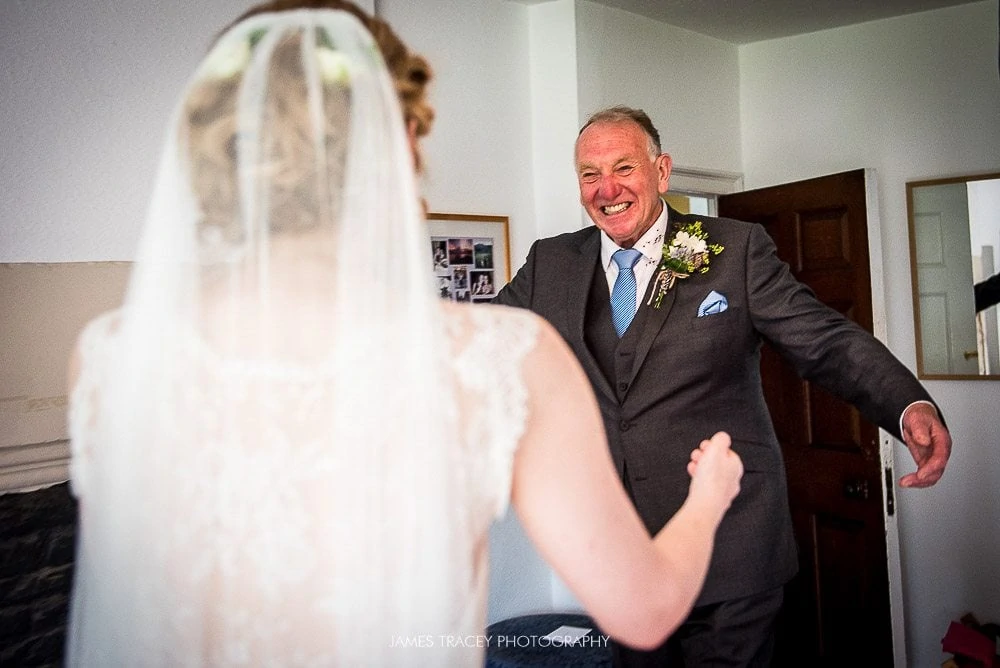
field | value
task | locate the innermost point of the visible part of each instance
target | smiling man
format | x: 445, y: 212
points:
x: 667, y: 313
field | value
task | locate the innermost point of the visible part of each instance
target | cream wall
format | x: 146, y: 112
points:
x: 914, y: 97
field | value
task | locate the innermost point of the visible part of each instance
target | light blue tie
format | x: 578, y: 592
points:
x: 623, y: 294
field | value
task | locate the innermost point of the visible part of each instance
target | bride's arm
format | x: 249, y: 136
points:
x: 573, y: 506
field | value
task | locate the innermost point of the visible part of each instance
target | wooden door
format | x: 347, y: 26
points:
x: 837, y: 609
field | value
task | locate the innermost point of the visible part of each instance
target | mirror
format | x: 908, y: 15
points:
x: 955, y: 267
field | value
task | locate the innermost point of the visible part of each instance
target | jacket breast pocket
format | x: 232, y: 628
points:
x: 723, y: 321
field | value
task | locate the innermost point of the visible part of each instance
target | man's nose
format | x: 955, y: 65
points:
x: 608, y: 188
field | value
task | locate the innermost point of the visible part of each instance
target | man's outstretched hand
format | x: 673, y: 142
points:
x: 928, y: 441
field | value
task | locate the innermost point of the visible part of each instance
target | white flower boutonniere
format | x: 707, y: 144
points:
x: 688, y: 251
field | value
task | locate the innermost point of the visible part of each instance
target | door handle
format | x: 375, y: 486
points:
x: 856, y: 488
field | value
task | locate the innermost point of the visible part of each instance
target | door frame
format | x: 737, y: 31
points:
x: 886, y: 441
x: 713, y: 183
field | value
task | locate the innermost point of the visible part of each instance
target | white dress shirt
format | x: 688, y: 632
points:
x: 649, y: 244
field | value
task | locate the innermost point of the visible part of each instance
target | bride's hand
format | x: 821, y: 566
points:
x: 715, y: 471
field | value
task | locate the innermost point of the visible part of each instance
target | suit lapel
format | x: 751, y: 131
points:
x: 579, y: 277
x: 655, y: 318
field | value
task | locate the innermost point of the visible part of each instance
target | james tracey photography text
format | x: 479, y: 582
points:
x: 428, y: 641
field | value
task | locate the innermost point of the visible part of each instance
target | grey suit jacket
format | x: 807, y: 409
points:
x: 694, y: 376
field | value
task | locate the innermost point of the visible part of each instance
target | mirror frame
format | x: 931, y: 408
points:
x: 911, y: 224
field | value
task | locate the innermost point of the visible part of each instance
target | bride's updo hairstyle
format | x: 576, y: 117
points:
x: 289, y: 152
x: 410, y: 71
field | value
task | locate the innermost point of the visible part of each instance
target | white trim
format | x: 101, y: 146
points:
x: 27, y: 467
x: 886, y: 450
x: 691, y: 180
x: 896, y: 609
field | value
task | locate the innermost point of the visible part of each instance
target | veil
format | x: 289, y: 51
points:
x: 270, y: 474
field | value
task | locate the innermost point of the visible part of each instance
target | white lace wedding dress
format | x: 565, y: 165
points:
x: 267, y: 541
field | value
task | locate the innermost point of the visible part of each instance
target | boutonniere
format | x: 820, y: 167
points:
x: 688, y: 251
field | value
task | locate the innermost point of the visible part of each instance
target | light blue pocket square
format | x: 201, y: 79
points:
x: 714, y: 303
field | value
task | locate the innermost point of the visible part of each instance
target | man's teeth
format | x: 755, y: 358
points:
x: 617, y: 208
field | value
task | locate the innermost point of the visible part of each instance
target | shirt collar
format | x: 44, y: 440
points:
x: 649, y: 244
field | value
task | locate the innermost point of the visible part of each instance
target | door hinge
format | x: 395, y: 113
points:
x: 890, y: 500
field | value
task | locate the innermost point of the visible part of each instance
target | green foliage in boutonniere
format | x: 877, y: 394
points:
x: 687, y: 252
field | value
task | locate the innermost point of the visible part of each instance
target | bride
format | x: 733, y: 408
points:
x: 287, y: 449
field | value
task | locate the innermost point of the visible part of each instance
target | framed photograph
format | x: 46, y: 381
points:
x: 470, y: 255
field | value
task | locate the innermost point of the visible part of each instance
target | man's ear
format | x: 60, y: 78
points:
x: 664, y: 163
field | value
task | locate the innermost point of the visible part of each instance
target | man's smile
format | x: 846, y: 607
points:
x: 615, y: 208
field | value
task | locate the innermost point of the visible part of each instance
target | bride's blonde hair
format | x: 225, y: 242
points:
x: 211, y: 136
x: 409, y: 71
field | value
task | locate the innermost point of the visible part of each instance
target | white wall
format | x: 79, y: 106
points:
x: 479, y: 153
x: 914, y: 97
x: 687, y: 83
x: 87, y: 90
x: 555, y: 116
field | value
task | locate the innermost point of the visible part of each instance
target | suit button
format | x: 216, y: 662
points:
x: 624, y: 425
x: 622, y: 387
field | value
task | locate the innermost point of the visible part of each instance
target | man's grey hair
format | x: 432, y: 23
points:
x: 623, y: 114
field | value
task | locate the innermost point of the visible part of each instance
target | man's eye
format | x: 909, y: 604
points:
x: 588, y: 177
x: 625, y: 169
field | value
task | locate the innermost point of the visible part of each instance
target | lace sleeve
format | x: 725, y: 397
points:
x: 490, y: 370
x: 91, y: 350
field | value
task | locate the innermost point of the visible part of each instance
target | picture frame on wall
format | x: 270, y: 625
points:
x: 470, y: 254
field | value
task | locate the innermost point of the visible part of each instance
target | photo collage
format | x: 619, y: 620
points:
x: 463, y: 268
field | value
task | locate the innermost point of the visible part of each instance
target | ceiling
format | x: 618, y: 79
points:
x: 746, y: 21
